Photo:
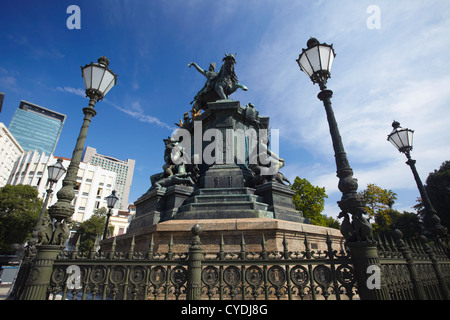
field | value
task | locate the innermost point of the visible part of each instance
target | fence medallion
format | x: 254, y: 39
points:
x: 299, y: 276
x: 210, y: 276
x: 117, y: 274
x: 232, y: 276
x: 58, y: 276
x: 158, y: 276
x: 277, y: 276
x: 254, y: 276
x: 98, y: 274
x: 178, y: 276
x: 322, y: 275
x: 137, y: 275
x: 345, y: 274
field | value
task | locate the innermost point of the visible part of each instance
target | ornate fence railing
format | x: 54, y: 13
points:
x: 414, y: 269
x: 381, y: 270
x: 196, y: 274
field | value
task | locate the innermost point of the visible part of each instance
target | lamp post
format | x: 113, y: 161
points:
x: 55, y: 172
x: 316, y: 61
x: 110, y: 203
x: 402, y: 140
x: 98, y: 80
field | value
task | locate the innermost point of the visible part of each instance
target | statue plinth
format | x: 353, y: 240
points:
x: 274, y: 231
x: 159, y: 205
x: 279, y: 199
x: 229, y: 189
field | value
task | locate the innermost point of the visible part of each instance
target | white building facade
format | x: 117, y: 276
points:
x: 124, y: 170
x: 93, y: 183
x: 10, y: 151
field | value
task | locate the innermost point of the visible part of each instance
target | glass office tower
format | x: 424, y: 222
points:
x: 35, y: 127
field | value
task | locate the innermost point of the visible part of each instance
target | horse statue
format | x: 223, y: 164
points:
x: 218, y: 85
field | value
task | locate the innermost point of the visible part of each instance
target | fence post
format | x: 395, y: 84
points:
x: 36, y: 287
x: 369, y: 277
x: 437, y: 270
x: 194, y: 272
x: 418, y: 288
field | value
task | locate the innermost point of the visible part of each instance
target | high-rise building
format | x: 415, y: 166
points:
x: 36, y: 128
x: 10, y: 151
x: 124, y: 170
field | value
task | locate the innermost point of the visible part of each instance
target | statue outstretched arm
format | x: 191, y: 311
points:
x: 198, y: 68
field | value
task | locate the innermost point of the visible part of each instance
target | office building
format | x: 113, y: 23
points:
x: 36, y: 128
x: 124, y: 170
x: 92, y: 187
x: 10, y: 151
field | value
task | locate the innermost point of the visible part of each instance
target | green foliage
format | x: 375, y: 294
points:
x: 379, y: 203
x: 90, y: 229
x: 20, y: 208
x: 408, y: 223
x: 311, y: 201
x: 438, y: 190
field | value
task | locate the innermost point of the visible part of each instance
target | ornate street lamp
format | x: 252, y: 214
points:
x: 402, y: 140
x: 110, y: 203
x: 98, y: 80
x: 316, y: 61
x: 55, y: 172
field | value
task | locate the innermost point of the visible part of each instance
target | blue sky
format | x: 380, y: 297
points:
x: 398, y: 71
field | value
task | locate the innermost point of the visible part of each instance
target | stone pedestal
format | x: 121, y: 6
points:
x: 279, y: 199
x: 232, y: 230
x: 223, y: 190
x: 223, y: 203
x: 159, y: 205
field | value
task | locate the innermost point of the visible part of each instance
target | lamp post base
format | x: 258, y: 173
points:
x: 41, y: 272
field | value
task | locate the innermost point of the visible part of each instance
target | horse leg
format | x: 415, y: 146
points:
x: 237, y: 86
x: 221, y: 92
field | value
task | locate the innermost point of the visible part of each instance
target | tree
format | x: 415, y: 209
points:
x: 379, y: 203
x: 20, y: 208
x: 409, y: 223
x: 311, y: 201
x: 90, y: 229
x: 438, y: 189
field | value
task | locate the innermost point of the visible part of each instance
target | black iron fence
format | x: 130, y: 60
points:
x: 222, y: 275
x: 415, y: 269
x: 386, y: 269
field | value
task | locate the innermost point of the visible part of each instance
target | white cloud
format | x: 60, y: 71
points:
x: 136, y: 111
x: 78, y: 92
